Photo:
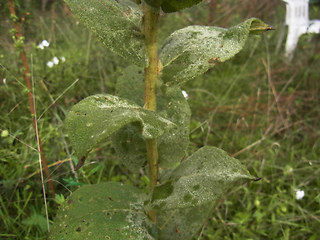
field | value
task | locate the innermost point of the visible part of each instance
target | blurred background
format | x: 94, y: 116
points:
x: 258, y: 106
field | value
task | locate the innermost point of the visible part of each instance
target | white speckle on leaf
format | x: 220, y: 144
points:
x: 185, y: 94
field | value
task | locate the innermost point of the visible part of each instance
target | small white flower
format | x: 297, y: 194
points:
x: 45, y: 43
x: 185, y: 94
x: 55, y: 60
x: 50, y: 64
x: 63, y: 59
x: 299, y: 194
x: 41, y: 46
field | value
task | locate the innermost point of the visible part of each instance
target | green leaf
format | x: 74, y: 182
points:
x: 171, y: 105
x: 191, y: 51
x: 59, y: 198
x: 36, y: 220
x: 102, y: 211
x: 154, y: 3
x: 172, y: 145
x: 97, y: 117
x: 176, y: 5
x: 187, y: 195
x: 169, y: 6
x: 117, y: 25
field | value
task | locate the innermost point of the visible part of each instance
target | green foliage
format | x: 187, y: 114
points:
x: 232, y: 107
x: 36, y: 220
x: 97, y: 117
x: 171, y: 105
x: 187, y: 193
x: 169, y: 6
x: 191, y: 51
x: 102, y: 211
x: 200, y: 179
x: 186, y: 196
x: 116, y: 23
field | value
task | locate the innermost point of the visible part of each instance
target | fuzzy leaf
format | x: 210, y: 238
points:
x: 102, y: 211
x: 97, y: 117
x: 191, y: 51
x: 117, y: 25
x: 176, y: 5
x: 187, y: 195
x: 128, y: 141
x: 172, y: 145
x: 169, y: 6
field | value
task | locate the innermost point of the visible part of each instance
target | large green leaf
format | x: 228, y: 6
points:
x: 191, y: 51
x: 103, y: 211
x: 128, y: 142
x: 172, y: 145
x: 176, y: 5
x: 172, y: 5
x: 186, y: 196
x: 171, y: 105
x: 116, y: 23
x: 97, y: 117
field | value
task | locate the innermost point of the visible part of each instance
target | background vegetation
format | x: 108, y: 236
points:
x: 257, y: 107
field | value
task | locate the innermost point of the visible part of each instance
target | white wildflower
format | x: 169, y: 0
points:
x: 63, y: 59
x: 299, y: 194
x: 43, y: 44
x: 55, y: 60
x: 50, y: 64
x: 185, y: 94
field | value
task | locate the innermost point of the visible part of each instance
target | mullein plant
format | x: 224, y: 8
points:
x: 148, y: 123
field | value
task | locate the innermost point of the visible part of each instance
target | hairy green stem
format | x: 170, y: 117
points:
x: 151, y: 16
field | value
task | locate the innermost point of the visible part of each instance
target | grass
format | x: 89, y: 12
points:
x: 256, y: 106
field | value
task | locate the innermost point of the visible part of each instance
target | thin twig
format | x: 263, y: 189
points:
x: 15, y: 138
x: 273, y: 88
x: 53, y: 101
x: 49, y: 166
x: 39, y: 155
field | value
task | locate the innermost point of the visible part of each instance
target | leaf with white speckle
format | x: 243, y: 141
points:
x: 169, y: 6
x: 97, y: 117
x: 191, y: 51
x: 116, y: 23
x: 128, y: 141
x: 102, y: 211
x: 187, y: 195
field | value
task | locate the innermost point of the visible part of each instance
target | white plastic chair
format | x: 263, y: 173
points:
x: 297, y: 19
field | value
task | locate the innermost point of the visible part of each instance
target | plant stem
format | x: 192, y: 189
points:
x: 151, y: 16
